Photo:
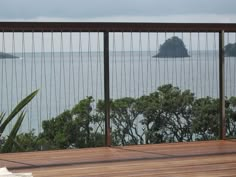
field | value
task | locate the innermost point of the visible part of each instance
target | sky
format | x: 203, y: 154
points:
x: 203, y: 11
x: 222, y: 11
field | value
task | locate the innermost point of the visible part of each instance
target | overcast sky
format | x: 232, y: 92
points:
x: 119, y: 10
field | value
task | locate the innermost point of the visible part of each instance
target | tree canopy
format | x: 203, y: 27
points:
x: 168, y: 114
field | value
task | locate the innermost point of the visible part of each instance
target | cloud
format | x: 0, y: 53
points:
x: 80, y: 9
x: 181, y: 18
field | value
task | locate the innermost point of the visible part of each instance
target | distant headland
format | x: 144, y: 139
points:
x: 7, y: 56
x: 173, y: 47
x: 230, y: 50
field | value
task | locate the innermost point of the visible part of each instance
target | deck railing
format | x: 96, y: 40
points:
x: 69, y: 61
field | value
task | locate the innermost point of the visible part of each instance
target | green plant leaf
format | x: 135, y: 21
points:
x: 2, y: 115
x: 8, y: 145
x: 17, y: 109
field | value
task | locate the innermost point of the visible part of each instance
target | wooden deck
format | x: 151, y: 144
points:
x: 212, y: 158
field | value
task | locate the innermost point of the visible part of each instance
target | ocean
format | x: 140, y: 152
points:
x: 64, y: 78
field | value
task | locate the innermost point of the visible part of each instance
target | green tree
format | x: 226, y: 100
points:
x: 167, y: 115
x: 206, y: 118
x: 125, y: 122
x: 73, y: 128
x: 231, y: 116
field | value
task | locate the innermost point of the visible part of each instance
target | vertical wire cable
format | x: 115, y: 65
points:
x: 184, y: 64
x: 181, y: 69
x: 24, y: 73
x: 2, y: 61
x: 69, y: 73
x: 208, y: 65
x: 54, y: 73
x: 6, y: 76
x: 31, y: 84
x: 150, y: 60
x: 215, y: 73
x: 26, y: 81
x: 81, y: 64
x: 189, y: 64
x: 176, y: 68
x: 130, y: 65
x: 157, y: 68
x: 205, y: 66
x: 164, y: 61
x: 123, y: 58
x: 22, y: 67
x: 12, y: 77
x: 124, y: 63
x: 45, y: 74
x: 139, y: 67
x: 200, y: 60
x: 60, y: 74
x: 31, y: 79
x: 15, y: 68
x: 41, y: 84
x: 197, y: 58
x: 229, y: 70
x: 4, y: 68
x: 88, y: 64
x: 173, y: 67
x: 191, y: 85
x: 147, y: 67
x: 167, y: 65
x: 116, y: 69
x: 101, y: 69
x: 234, y: 69
x: 141, y: 60
x: 226, y: 68
x: 91, y: 65
x: 36, y: 85
x: 97, y: 64
x: 51, y: 75
x: 73, y: 65
x: 121, y: 66
x: 112, y: 68
x: 63, y: 69
x: 12, y: 73
x: 133, y: 61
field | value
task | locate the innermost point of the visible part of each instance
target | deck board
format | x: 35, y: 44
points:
x: 206, y: 158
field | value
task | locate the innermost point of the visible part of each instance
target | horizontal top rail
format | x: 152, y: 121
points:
x: 114, y: 27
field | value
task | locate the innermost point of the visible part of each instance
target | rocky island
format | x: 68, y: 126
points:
x: 230, y: 50
x: 7, y: 56
x: 172, y: 48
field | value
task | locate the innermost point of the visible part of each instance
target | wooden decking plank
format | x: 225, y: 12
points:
x: 211, y: 158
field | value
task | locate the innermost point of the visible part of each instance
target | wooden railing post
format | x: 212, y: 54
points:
x: 221, y: 86
x: 107, y: 90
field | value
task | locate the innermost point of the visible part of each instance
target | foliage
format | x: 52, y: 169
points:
x: 205, y: 118
x: 10, y: 141
x: 173, y: 47
x: 124, y: 118
x: 166, y: 115
x: 72, y: 129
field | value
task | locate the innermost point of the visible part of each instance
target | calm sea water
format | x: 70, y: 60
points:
x: 65, y: 78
